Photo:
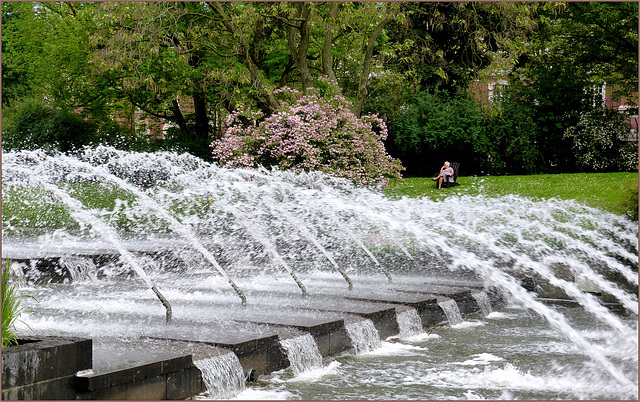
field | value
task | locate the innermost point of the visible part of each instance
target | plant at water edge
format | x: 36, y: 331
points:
x: 11, y: 308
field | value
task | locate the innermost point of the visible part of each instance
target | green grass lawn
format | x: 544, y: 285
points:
x: 613, y: 192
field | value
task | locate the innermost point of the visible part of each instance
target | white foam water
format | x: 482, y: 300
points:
x: 364, y: 336
x: 80, y: 268
x: 483, y: 302
x: 409, y: 323
x: 303, y: 353
x: 223, y: 376
x: 451, y: 310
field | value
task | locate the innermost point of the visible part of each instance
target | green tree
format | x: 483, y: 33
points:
x: 443, y: 45
x: 22, y: 45
x: 566, y: 61
x: 600, y: 39
x: 596, y: 140
x: 508, y: 142
x: 434, y: 127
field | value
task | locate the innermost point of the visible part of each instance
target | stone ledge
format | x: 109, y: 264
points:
x: 93, y: 382
x: 44, y: 358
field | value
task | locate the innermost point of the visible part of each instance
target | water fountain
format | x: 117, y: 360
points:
x: 264, y: 228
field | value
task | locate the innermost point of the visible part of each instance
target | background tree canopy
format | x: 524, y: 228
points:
x: 192, y: 64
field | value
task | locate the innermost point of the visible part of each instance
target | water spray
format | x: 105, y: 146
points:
x: 306, y: 233
x: 258, y: 234
x: 106, y: 233
x: 175, y: 225
x: 555, y: 319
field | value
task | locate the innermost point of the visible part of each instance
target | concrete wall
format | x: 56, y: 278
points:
x: 44, y: 367
x: 169, y: 379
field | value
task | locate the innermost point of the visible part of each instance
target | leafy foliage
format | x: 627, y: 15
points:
x: 190, y: 64
x: 601, y: 39
x: 310, y: 132
x: 509, y: 143
x: 11, y: 306
x: 434, y: 127
x: 443, y: 45
x: 597, y: 145
x: 36, y: 125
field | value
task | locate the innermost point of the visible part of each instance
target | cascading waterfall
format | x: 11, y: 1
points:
x: 409, y: 323
x: 223, y: 375
x: 303, y: 353
x: 80, y: 268
x: 364, y: 336
x: 483, y: 302
x: 451, y: 310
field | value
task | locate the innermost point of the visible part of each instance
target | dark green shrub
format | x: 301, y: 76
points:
x: 36, y: 125
x: 508, y: 141
x: 434, y: 127
x: 597, y: 142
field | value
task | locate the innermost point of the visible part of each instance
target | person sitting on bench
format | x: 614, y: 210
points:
x: 445, y: 173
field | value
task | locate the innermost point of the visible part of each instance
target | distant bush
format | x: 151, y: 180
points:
x: 314, y: 132
x: 433, y: 127
x: 509, y: 142
x: 35, y: 125
x: 597, y: 142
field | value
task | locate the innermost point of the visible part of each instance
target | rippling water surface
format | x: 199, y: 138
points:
x: 510, y: 354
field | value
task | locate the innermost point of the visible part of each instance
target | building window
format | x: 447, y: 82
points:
x: 600, y: 93
x: 496, y: 90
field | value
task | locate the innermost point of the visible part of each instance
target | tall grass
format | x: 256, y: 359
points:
x: 11, y: 305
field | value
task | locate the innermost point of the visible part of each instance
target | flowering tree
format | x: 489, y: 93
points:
x: 310, y: 132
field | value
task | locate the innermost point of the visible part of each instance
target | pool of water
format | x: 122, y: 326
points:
x: 510, y: 354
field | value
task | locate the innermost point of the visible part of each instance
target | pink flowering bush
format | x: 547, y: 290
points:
x: 312, y: 133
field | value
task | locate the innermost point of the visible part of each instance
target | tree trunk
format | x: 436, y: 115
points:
x: 327, y: 59
x: 201, y: 116
x: 178, y: 117
x: 300, y: 52
x: 366, y: 67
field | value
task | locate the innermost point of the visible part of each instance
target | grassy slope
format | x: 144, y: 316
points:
x: 608, y: 191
